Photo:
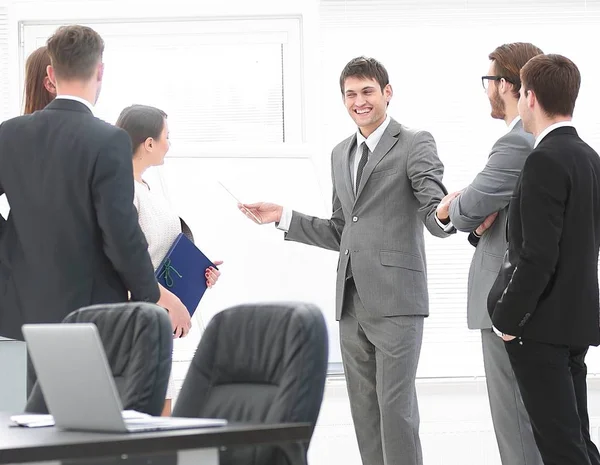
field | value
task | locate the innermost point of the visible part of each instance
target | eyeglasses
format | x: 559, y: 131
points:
x: 485, y: 81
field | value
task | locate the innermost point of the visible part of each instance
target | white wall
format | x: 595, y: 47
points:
x: 435, y: 53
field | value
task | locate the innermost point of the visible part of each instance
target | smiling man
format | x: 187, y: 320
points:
x: 387, y: 183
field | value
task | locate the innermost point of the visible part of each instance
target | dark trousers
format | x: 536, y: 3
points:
x: 552, y: 381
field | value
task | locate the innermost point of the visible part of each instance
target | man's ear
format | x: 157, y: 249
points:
x: 100, y: 73
x: 51, y: 77
x: 49, y: 86
x: 388, y: 93
x: 531, y: 98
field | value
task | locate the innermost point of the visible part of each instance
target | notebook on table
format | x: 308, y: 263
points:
x: 182, y: 272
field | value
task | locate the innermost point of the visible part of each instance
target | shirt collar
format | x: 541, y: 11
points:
x: 551, y: 128
x: 77, y: 99
x: 375, y: 136
x: 513, y: 123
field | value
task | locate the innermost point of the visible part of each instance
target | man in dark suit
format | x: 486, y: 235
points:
x: 545, y: 300
x: 72, y: 237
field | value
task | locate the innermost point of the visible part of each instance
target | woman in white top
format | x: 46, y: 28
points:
x: 147, y: 127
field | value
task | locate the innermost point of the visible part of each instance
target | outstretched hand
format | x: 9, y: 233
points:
x: 442, y: 211
x: 262, y: 212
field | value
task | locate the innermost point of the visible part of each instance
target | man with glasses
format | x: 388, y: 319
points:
x: 483, y: 206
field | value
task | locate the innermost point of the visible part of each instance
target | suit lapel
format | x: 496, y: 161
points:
x: 346, y: 166
x: 388, y: 140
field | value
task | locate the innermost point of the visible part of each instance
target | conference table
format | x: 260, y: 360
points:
x: 198, y: 446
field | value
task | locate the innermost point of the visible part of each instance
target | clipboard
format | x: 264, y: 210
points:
x: 256, y: 218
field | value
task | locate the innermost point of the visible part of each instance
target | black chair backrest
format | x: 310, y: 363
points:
x: 138, y: 341
x: 259, y: 363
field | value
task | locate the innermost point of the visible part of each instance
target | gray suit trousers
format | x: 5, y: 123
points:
x: 511, y: 421
x: 380, y: 356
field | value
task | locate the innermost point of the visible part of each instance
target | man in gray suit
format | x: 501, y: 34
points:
x: 488, y: 197
x: 387, y: 183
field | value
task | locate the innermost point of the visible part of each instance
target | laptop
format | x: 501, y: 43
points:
x: 78, y: 385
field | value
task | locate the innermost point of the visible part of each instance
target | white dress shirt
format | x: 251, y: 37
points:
x: 551, y: 128
x: 513, y: 123
x: 371, y: 142
x: 158, y: 221
x: 77, y: 99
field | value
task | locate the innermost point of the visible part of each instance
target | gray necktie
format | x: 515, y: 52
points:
x: 361, y: 165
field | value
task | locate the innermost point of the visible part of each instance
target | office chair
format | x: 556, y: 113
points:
x: 259, y: 363
x: 138, y: 341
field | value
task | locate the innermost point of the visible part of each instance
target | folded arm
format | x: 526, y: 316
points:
x: 492, y: 188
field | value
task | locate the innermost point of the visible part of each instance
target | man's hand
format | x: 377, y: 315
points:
x: 262, y: 212
x: 507, y: 338
x: 212, y: 274
x: 487, y: 223
x: 444, y: 206
x: 180, y: 317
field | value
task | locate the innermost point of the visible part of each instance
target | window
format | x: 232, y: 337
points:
x: 226, y: 84
x: 233, y: 91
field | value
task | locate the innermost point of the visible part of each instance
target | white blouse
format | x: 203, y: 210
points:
x: 159, y: 223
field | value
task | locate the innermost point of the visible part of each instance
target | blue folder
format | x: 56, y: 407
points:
x: 182, y: 272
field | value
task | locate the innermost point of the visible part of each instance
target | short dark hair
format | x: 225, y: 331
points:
x: 555, y: 81
x: 36, y: 94
x: 75, y: 52
x: 141, y: 122
x: 510, y: 58
x: 365, y: 68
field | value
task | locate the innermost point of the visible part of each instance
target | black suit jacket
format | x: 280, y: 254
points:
x: 72, y: 237
x: 547, y: 289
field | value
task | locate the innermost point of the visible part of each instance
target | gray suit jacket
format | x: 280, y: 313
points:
x: 381, y: 228
x: 490, y: 192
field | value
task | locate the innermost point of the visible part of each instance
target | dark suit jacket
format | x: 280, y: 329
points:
x: 547, y: 289
x: 72, y: 238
